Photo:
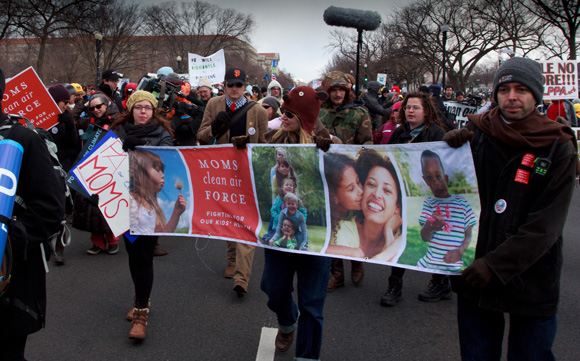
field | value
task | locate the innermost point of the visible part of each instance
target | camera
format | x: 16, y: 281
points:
x: 166, y: 93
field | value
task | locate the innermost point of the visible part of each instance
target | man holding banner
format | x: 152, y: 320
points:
x: 525, y: 165
x: 40, y: 210
x: 226, y: 117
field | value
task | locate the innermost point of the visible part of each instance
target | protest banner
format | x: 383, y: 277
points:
x: 560, y: 79
x: 105, y: 171
x: 460, y: 111
x: 242, y: 196
x: 26, y: 95
x: 10, y: 162
x: 211, y: 67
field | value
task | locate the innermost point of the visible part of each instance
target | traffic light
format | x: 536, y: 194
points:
x: 366, y: 78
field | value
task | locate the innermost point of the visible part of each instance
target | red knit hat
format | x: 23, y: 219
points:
x: 304, y: 101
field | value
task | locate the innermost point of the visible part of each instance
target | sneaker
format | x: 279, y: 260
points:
x: 436, y: 291
x: 113, y: 249
x: 94, y: 250
x: 394, y: 292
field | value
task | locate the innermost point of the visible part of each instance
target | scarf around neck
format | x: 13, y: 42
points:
x: 534, y: 131
x: 140, y: 131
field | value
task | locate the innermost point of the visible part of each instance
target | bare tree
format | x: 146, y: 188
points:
x: 564, y: 15
x: 43, y: 19
x: 197, y: 27
x: 7, y: 18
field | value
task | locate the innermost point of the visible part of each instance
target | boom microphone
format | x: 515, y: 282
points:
x: 352, y: 18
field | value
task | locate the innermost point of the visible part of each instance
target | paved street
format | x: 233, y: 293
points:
x: 195, y: 315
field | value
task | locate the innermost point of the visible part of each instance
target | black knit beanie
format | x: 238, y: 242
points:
x: 521, y: 70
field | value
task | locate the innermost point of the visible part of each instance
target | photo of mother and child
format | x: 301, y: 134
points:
x: 366, y: 206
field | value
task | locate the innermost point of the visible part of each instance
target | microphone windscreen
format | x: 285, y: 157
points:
x: 352, y: 18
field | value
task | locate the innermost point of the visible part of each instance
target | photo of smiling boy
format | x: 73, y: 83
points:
x: 446, y: 219
x: 287, y: 240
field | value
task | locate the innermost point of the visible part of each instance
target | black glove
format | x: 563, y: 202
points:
x: 323, y: 143
x: 457, y: 137
x: 131, y: 142
x: 66, y: 119
x: 241, y: 141
x: 220, y: 124
x: 94, y: 199
x: 185, y: 108
x: 478, y: 274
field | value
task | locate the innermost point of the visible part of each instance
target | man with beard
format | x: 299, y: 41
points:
x: 525, y: 165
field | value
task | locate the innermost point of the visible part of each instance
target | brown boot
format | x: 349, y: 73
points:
x: 336, y: 274
x: 140, y: 316
x: 357, y: 272
x: 129, y: 315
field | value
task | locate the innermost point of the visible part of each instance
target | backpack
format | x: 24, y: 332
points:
x: 13, y: 251
x: 63, y: 235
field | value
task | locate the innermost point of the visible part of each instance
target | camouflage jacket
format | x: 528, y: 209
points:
x: 351, y: 123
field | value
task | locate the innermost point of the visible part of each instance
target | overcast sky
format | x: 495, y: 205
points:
x: 296, y: 30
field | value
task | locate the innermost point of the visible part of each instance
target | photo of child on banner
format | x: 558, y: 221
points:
x: 367, y: 205
x: 297, y: 194
x: 156, y: 208
x: 442, y: 209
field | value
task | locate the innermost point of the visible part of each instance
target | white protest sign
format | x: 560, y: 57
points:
x: 106, y: 172
x: 211, y: 67
x: 560, y: 79
x: 382, y: 78
x: 460, y: 111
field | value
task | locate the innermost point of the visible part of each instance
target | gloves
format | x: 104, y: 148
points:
x: 131, y: 142
x: 457, y: 137
x: 323, y: 143
x: 241, y: 141
x: 220, y: 124
x: 94, y: 199
x: 478, y: 275
x: 65, y: 118
x: 185, y: 108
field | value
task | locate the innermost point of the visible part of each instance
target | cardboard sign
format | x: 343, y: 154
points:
x: 560, y: 79
x: 211, y: 67
x: 26, y: 95
x: 105, y: 171
x: 460, y: 111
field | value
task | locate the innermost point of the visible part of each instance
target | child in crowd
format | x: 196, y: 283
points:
x: 288, y: 240
x: 298, y: 220
x: 147, y: 180
x: 446, y: 220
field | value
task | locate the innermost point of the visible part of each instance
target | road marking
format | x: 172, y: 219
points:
x: 267, y: 349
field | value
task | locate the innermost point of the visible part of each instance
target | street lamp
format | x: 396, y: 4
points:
x: 178, y: 64
x: 98, y: 39
x: 444, y: 29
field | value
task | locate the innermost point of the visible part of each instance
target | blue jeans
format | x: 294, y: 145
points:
x: 277, y: 282
x: 481, y: 334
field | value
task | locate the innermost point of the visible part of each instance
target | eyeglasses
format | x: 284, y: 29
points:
x: 415, y: 108
x: 237, y: 85
x: 141, y: 107
x: 289, y: 115
x: 266, y: 106
x: 98, y: 106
